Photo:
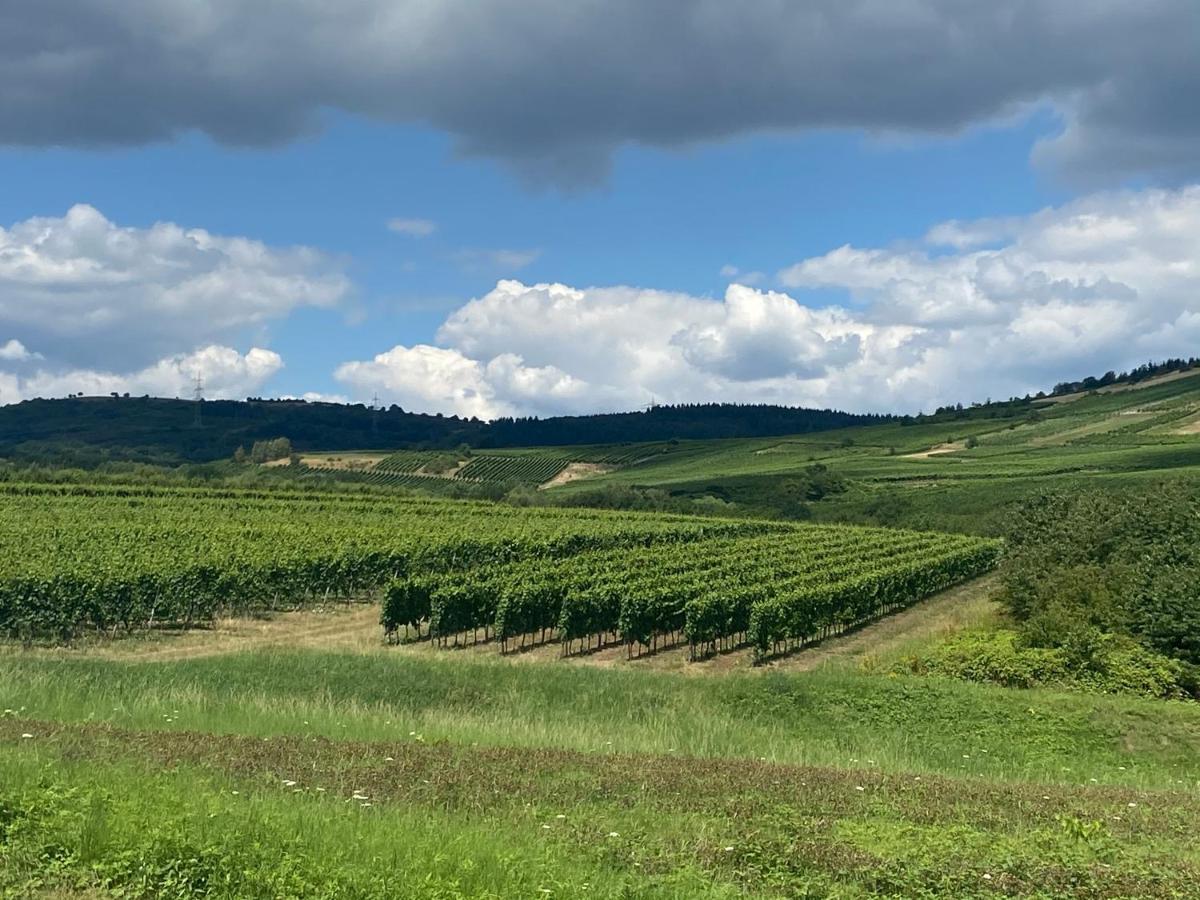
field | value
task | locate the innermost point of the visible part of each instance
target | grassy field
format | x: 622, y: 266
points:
x: 299, y: 755
x: 309, y: 773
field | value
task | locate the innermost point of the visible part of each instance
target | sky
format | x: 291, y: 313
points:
x: 539, y: 207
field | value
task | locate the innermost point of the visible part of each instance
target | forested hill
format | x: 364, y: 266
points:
x: 89, y: 430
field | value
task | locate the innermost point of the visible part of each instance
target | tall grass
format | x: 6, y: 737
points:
x: 188, y: 833
x: 822, y: 718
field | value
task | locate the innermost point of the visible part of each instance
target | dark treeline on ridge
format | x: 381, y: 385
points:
x: 685, y: 421
x: 86, y: 431
x: 1133, y: 376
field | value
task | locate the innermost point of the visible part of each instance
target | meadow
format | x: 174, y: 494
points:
x: 309, y: 773
x: 212, y: 691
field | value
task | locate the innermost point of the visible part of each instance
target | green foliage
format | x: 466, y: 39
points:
x: 268, y: 451
x: 1087, y: 564
x: 1107, y: 663
x: 769, y: 589
x: 406, y: 602
x: 75, y: 557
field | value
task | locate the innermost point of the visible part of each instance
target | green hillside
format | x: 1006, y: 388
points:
x: 959, y: 472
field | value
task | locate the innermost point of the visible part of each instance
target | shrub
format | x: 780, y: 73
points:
x: 1112, y: 664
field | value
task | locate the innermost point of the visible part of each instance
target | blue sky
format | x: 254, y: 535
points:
x: 685, y: 207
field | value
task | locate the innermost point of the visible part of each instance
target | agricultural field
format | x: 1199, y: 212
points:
x: 99, y: 558
x: 232, y: 693
x: 284, y: 692
x: 957, y: 475
x: 961, y: 473
x: 540, y: 466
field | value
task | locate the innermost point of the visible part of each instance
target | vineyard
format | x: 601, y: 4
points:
x: 412, y: 468
x: 76, y: 558
x: 113, y: 559
x: 404, y: 461
x: 773, y: 592
x: 525, y: 469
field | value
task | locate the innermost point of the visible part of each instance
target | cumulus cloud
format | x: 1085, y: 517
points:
x: 14, y: 351
x: 1013, y: 306
x: 224, y: 373
x: 554, y: 88
x: 90, y: 294
x: 418, y: 228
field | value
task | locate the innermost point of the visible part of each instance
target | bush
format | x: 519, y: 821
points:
x: 1110, y: 664
x: 1086, y: 564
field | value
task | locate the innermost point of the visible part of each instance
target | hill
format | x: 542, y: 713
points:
x: 961, y: 470
x: 86, y: 431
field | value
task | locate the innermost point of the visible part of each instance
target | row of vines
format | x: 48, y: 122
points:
x: 773, y: 591
x: 75, y: 558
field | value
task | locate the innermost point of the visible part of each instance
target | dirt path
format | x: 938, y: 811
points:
x: 939, y: 450
x: 348, y: 628
x: 576, y: 471
x: 948, y: 612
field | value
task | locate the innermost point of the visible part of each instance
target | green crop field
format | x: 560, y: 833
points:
x: 311, y: 689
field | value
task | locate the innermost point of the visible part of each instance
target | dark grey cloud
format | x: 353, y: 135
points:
x: 553, y: 87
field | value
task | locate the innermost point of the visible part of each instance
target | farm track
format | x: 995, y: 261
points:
x: 941, y: 614
x: 348, y: 628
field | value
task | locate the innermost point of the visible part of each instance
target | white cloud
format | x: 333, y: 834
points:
x: 14, y: 351
x: 224, y: 373
x: 749, y: 278
x: 418, y: 228
x: 1013, y: 306
x: 93, y: 295
x: 424, y: 378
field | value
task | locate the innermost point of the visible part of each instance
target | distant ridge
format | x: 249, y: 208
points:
x: 1133, y: 376
x: 86, y: 431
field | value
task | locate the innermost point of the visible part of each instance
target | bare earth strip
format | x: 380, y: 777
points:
x: 577, y: 471
x: 939, y: 450
x: 352, y: 628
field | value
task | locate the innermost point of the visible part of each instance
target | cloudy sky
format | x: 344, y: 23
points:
x: 495, y: 207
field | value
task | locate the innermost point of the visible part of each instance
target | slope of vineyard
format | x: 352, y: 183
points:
x: 532, y: 469
x: 117, y: 559
x: 415, y: 469
x: 774, y: 591
x: 76, y: 557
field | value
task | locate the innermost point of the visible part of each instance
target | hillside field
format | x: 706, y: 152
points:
x: 421, y: 770
x: 337, y: 688
x: 916, y: 475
